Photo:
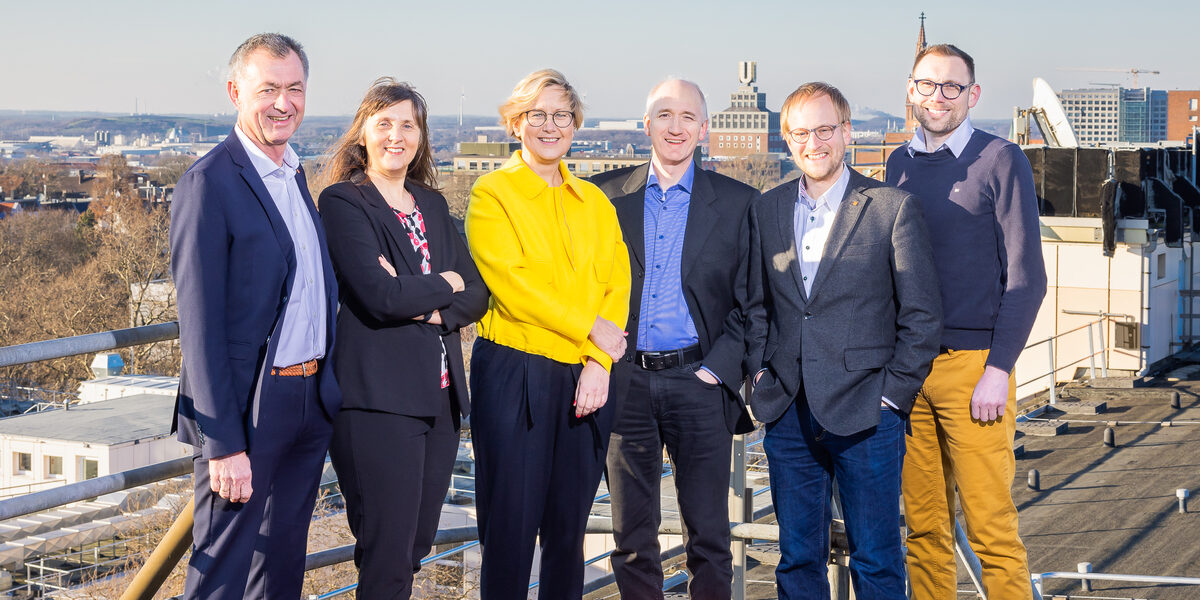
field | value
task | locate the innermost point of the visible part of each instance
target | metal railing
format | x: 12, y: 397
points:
x: 1091, y: 356
x: 178, y: 538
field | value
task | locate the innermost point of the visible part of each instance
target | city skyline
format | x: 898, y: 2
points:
x: 170, y: 58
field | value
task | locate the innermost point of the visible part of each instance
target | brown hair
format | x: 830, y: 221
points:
x: 811, y: 90
x: 947, y: 50
x: 347, y: 158
x: 526, y: 92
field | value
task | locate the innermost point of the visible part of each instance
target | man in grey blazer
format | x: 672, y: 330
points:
x: 844, y: 319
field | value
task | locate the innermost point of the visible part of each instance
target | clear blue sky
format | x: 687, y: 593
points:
x: 171, y: 54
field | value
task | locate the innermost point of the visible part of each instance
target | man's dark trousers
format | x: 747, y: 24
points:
x: 672, y: 408
x: 259, y: 542
x: 867, y: 467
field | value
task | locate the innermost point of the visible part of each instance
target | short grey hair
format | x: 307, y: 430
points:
x: 654, y: 95
x: 277, y: 44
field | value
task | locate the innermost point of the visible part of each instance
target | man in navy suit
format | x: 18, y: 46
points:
x: 256, y: 297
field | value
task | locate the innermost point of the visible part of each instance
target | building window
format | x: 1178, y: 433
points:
x: 89, y: 468
x: 1194, y: 104
x: 1192, y: 118
x: 22, y: 462
x: 54, y: 466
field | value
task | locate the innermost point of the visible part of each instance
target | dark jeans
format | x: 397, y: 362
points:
x: 393, y: 471
x: 256, y: 549
x: 536, y: 470
x: 675, y: 409
x: 804, y: 461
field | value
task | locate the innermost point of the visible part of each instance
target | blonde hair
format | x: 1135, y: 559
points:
x: 525, y: 95
x: 808, y: 91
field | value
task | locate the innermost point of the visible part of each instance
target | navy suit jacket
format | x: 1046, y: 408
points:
x: 233, y: 262
x: 871, y: 324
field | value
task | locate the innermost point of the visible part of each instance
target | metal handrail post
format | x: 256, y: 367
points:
x: 974, y: 568
x: 1091, y: 353
x: 164, y: 558
x: 1103, y: 347
x: 737, y: 506
x: 1053, y: 374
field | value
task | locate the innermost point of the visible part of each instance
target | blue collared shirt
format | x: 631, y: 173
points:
x: 956, y: 143
x: 302, y: 333
x: 665, y: 322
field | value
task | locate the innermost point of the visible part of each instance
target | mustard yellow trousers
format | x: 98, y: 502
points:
x: 948, y: 450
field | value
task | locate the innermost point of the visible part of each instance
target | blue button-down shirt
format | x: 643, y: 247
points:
x: 302, y: 333
x: 665, y: 322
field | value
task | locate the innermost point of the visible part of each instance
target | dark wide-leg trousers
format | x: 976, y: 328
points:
x: 536, y: 470
x: 394, y: 471
x: 256, y: 549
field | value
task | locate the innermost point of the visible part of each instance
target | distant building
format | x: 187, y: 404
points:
x: 747, y: 127
x: 1183, y: 113
x: 910, y: 120
x: 87, y: 441
x: 1113, y: 115
x: 483, y: 156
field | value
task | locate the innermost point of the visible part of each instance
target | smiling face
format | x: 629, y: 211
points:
x: 676, y: 122
x: 938, y: 116
x: 819, y: 160
x: 546, y: 144
x: 269, y: 96
x: 391, y: 137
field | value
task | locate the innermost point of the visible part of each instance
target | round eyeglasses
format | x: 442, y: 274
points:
x: 950, y: 90
x: 823, y: 133
x: 537, y: 118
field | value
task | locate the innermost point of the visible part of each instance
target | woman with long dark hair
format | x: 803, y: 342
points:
x: 407, y: 286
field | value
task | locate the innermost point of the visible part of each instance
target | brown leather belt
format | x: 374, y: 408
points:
x: 303, y: 369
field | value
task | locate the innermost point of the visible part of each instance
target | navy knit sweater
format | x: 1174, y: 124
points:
x: 982, y: 213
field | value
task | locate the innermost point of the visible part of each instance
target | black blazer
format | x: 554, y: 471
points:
x: 233, y: 262
x: 870, y: 326
x: 715, y: 257
x: 386, y: 361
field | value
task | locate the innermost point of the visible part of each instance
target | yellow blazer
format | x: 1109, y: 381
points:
x: 553, y: 259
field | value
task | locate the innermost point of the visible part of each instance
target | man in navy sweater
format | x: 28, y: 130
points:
x: 978, y: 196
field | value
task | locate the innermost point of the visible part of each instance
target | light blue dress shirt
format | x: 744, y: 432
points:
x: 302, y: 333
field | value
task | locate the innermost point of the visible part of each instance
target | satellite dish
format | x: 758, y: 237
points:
x: 1050, y: 116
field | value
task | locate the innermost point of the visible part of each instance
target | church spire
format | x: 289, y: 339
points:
x: 910, y: 122
x: 921, y: 35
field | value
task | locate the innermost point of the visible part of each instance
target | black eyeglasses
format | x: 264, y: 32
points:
x: 537, y: 118
x: 823, y: 133
x: 950, y: 90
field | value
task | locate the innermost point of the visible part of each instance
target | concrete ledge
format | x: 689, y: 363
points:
x: 1042, y: 428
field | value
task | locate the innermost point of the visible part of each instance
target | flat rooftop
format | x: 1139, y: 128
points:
x: 1115, y: 507
x: 109, y: 422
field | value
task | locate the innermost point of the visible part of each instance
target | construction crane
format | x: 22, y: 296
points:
x: 1134, y: 72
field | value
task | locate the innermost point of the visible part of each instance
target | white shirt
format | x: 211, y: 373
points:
x: 302, y: 333
x: 812, y: 221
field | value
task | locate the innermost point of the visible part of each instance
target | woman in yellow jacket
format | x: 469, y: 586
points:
x: 549, y: 248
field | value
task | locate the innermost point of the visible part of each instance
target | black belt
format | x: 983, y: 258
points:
x: 665, y: 359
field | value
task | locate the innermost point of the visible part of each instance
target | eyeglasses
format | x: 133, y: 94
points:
x: 823, y: 133
x: 537, y: 118
x: 950, y: 90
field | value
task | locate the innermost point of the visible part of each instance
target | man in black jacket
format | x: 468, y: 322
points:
x: 677, y: 387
